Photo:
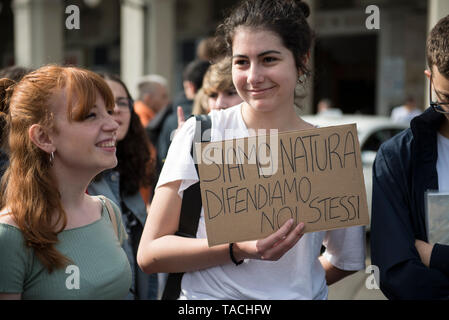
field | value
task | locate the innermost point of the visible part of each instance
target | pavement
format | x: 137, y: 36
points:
x: 354, y: 287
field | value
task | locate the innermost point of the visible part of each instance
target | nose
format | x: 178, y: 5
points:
x: 110, y: 124
x: 254, y: 74
x: 116, y: 109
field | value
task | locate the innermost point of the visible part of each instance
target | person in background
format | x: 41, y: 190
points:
x: 218, y: 91
x: 326, y: 108
x: 270, y: 43
x: 153, y: 97
x: 128, y: 184
x: 406, y: 166
x: 406, y: 112
x: 57, y: 242
x: 192, y: 81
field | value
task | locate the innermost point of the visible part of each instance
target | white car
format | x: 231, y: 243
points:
x: 372, y: 132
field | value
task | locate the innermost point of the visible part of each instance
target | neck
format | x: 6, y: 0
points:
x: 282, y: 119
x: 72, y: 186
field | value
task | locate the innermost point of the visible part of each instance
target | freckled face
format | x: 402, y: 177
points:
x: 264, y: 71
x: 88, y: 144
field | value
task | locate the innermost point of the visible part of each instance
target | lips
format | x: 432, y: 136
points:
x: 110, y: 143
x: 259, y: 91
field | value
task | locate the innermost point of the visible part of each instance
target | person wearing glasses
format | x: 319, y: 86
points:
x: 128, y: 182
x: 406, y: 166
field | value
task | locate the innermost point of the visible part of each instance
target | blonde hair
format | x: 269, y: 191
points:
x: 217, y: 78
x: 28, y: 190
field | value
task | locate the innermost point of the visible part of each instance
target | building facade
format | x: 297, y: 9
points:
x: 368, y: 55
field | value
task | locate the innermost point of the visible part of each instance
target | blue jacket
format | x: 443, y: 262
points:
x: 404, y: 169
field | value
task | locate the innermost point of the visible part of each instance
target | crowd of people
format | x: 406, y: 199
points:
x: 96, y: 184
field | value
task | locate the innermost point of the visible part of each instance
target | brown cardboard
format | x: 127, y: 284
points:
x: 317, y: 179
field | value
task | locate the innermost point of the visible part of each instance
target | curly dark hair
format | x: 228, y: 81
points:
x: 135, y: 165
x: 437, y: 49
x: 286, y: 18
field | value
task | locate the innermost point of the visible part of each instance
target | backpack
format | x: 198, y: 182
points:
x: 190, y: 208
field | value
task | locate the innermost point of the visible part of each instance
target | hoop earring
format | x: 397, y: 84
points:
x: 52, y: 157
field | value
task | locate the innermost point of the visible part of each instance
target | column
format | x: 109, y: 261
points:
x: 132, y: 43
x: 38, y: 32
x: 437, y: 9
x: 161, y: 39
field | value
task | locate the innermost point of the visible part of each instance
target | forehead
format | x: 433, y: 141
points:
x: 116, y: 88
x: 248, y: 41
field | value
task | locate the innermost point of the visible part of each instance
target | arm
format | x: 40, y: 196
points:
x: 333, y: 274
x: 402, y: 273
x: 161, y: 251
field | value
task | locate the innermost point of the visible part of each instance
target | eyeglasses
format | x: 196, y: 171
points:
x: 124, y: 104
x: 435, y: 104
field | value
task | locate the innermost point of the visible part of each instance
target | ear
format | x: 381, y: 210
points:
x: 305, y: 61
x: 427, y: 73
x: 40, y: 137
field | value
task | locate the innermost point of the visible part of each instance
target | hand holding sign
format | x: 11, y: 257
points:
x: 273, y: 247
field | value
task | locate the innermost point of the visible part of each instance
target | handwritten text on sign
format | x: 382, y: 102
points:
x: 250, y: 187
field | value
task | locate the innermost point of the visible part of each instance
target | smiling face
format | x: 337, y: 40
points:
x: 85, y: 144
x: 263, y: 70
x: 122, y: 111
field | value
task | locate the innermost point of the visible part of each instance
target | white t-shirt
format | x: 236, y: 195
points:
x: 297, y: 275
x: 443, y: 163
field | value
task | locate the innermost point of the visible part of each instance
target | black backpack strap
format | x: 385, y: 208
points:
x: 190, y: 207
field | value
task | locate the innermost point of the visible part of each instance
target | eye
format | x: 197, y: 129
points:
x: 269, y: 59
x: 91, y: 115
x: 240, y: 62
x: 213, y: 95
x: 110, y: 112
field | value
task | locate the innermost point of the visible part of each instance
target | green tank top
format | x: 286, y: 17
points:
x: 99, y: 268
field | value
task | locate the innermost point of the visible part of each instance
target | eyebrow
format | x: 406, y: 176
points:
x: 259, y: 55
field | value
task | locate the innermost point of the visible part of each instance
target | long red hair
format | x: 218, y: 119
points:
x: 28, y: 190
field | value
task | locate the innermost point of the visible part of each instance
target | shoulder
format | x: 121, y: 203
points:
x: 7, y: 218
x: 227, y: 118
x: 104, y: 202
x: 395, y: 154
x: 11, y: 237
x: 400, y: 144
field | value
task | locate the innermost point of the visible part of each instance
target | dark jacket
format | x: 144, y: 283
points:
x: 404, y: 169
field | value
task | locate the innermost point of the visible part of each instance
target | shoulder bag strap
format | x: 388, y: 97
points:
x: 190, y: 207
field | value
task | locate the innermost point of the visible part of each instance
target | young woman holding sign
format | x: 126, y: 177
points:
x: 269, y: 42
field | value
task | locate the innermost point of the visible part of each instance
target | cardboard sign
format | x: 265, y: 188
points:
x: 250, y: 187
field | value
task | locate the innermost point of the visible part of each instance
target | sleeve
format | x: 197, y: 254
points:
x: 179, y: 163
x: 402, y: 274
x: 345, y: 248
x: 122, y: 235
x: 13, y: 261
x: 440, y: 258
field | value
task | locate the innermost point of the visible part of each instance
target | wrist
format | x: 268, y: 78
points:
x: 236, y: 254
